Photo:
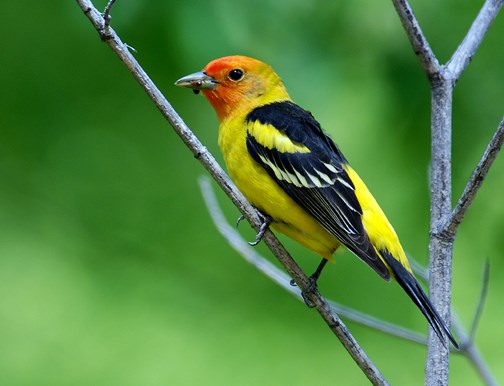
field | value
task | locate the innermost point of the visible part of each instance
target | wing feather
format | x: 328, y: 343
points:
x: 314, y: 177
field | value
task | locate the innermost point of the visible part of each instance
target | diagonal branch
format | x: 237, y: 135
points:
x: 420, y: 44
x: 208, y: 161
x: 465, y: 52
x: 475, y: 181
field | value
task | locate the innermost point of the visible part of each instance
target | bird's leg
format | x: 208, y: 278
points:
x: 266, y: 221
x: 315, y: 275
x: 313, y: 283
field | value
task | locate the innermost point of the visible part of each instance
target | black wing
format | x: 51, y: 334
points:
x: 314, y: 176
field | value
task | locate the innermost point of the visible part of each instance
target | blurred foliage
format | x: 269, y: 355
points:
x: 111, y: 272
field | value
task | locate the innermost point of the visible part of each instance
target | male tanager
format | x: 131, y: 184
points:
x: 288, y: 168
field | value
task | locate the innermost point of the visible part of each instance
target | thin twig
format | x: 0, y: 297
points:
x: 481, y: 302
x: 208, y: 161
x: 471, y: 352
x: 106, y: 15
x: 466, y: 50
x: 420, y: 44
x: 283, y: 280
x: 480, y: 366
x: 477, y: 178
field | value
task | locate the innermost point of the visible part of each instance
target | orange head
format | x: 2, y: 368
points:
x: 235, y: 84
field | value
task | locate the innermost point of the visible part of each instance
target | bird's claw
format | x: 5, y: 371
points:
x: 312, y: 283
x: 238, y: 221
x: 310, y: 289
x: 266, y: 221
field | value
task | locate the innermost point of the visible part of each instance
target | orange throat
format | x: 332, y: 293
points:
x: 218, y: 103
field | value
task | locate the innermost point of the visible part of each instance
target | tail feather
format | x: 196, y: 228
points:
x: 408, y: 282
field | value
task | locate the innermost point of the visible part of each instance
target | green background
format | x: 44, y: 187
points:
x: 111, y: 271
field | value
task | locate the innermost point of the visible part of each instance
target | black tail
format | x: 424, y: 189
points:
x: 416, y: 293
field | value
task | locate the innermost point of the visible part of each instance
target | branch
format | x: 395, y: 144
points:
x: 465, y: 52
x: 209, y: 163
x: 106, y: 14
x: 475, y: 181
x: 420, y: 45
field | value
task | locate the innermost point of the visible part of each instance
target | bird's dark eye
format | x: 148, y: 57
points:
x: 236, y: 75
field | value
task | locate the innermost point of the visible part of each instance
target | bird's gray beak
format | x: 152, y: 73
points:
x: 197, y: 81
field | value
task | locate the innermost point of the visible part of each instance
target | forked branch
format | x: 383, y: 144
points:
x: 444, y: 221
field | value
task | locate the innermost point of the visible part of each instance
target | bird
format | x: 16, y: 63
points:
x: 288, y: 168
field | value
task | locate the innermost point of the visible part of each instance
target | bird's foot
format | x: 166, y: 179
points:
x: 309, y: 290
x: 312, y: 286
x: 266, y: 221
